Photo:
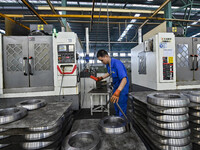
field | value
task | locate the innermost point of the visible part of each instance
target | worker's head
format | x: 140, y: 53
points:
x: 103, y: 56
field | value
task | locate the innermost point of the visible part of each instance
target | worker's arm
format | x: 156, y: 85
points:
x: 115, y: 96
x: 106, y: 75
x: 122, y: 84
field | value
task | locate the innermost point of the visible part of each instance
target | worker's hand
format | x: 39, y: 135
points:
x: 96, y: 78
x: 115, y: 96
x: 99, y: 79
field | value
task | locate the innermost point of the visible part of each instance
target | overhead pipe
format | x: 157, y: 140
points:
x: 156, y: 12
x: 113, y: 10
x: 53, y: 10
x: 4, y: 16
x: 104, y: 16
x: 27, y: 4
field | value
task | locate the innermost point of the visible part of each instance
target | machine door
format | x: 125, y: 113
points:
x: 196, y: 48
x: 184, y: 59
x: 15, y: 54
x: 41, y: 61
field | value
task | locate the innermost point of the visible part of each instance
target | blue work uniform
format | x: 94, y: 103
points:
x: 118, y: 73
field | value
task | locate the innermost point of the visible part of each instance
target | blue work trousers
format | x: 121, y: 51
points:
x: 123, y: 98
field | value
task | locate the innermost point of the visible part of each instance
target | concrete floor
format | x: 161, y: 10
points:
x: 125, y: 141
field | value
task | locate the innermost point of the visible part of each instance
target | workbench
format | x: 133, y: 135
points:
x: 104, y: 98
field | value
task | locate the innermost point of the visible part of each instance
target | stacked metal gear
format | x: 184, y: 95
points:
x: 168, y: 120
x: 44, y: 127
x: 194, y: 112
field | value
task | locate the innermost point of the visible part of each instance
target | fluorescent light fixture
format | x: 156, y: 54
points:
x: 98, y: 61
x: 91, y: 54
x: 60, y: 12
x: 122, y: 54
x: 82, y: 61
x: 149, y: 0
x: 128, y: 28
x: 195, y: 35
x: 129, y: 54
x: 81, y: 54
x: 115, y: 54
x: 2, y: 31
x: 91, y: 61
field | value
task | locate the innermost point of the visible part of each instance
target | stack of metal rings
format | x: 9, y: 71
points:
x: 43, y: 128
x: 194, y: 112
x: 168, y: 123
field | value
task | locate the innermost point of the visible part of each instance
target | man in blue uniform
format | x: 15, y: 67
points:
x: 120, y: 80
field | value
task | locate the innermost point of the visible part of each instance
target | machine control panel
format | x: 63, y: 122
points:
x: 168, y: 68
x: 66, y: 53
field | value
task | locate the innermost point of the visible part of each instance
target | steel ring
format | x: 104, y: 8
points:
x: 168, y: 100
x: 168, y: 111
x: 40, y: 135
x: 8, y: 115
x: 170, y: 133
x: 168, y: 147
x: 194, y: 96
x: 82, y: 140
x: 112, y: 125
x: 32, y: 104
x: 170, y: 141
x: 35, y: 145
x: 168, y: 118
x: 169, y: 126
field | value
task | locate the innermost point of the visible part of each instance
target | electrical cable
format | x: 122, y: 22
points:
x: 61, y: 84
x: 134, y: 35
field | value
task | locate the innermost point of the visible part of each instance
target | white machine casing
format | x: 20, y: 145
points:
x: 161, y: 57
x: 70, y: 83
x: 1, y: 68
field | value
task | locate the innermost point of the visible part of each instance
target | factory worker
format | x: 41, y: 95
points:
x: 120, y: 80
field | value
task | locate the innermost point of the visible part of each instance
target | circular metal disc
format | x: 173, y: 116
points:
x: 81, y: 140
x: 194, y: 96
x: 170, y: 141
x: 169, y: 111
x: 8, y: 115
x: 170, y: 133
x: 32, y: 104
x: 168, y: 100
x: 35, y: 145
x: 168, y: 118
x: 169, y: 126
x: 113, y: 125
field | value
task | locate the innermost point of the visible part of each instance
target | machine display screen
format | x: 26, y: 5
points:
x: 62, y: 48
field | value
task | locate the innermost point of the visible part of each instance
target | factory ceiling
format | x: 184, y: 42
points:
x: 125, y: 17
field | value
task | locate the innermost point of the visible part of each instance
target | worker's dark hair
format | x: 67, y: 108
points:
x: 102, y: 53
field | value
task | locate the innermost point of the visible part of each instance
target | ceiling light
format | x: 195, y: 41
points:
x: 128, y: 28
x: 2, y: 31
x: 195, y: 35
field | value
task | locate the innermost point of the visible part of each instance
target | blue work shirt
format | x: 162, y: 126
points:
x: 118, y: 73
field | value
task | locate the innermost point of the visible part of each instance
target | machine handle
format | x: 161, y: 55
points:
x: 24, y: 65
x: 196, y: 63
x: 30, y: 60
x: 191, y: 62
